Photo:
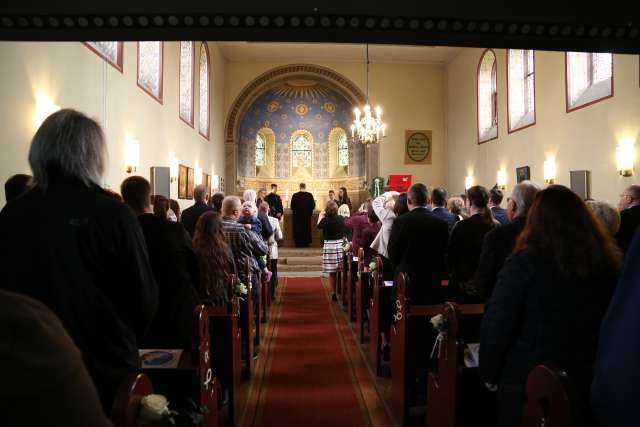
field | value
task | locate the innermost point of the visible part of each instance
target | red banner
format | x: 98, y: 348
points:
x: 399, y: 183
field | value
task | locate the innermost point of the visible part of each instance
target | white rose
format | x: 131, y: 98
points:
x: 152, y: 408
x: 437, y: 321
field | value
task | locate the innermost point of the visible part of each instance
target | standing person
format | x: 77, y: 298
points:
x: 550, y: 299
x: 216, y: 201
x: 369, y: 234
x: 191, y: 215
x: 265, y: 227
x: 343, y: 198
x: 439, y: 207
x: 173, y: 263
x: 16, y: 186
x: 332, y: 226
x: 495, y: 199
x: 262, y: 193
x: 499, y: 242
x: 629, y: 206
x: 86, y: 259
x: 416, y: 247
x: 332, y: 197
x: 175, y: 207
x: 275, y: 202
x: 302, y: 205
x: 273, y: 247
x: 465, y: 246
x: 384, y: 207
x: 215, y: 259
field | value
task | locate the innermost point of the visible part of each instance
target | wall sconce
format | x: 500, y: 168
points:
x: 198, y: 176
x: 131, y: 155
x: 174, y: 169
x: 501, y: 179
x: 468, y: 182
x: 550, y: 171
x: 625, y: 157
x: 44, y: 108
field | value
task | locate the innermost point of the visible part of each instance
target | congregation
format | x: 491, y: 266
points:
x: 125, y: 271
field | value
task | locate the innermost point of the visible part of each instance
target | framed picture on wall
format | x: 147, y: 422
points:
x: 206, y: 180
x: 417, y: 147
x: 522, y: 174
x: 182, y: 182
x: 221, y: 185
x: 191, y: 183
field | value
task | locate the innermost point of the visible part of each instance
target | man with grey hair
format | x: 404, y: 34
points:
x: 629, y: 206
x: 191, y: 215
x: 70, y: 245
x: 499, y: 242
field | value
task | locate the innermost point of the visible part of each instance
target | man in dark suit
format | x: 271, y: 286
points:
x: 629, y: 207
x: 191, y: 215
x: 417, y: 247
x: 495, y: 199
x: 275, y: 202
x: 174, y: 266
x: 499, y: 242
x: 302, y: 205
x: 438, y: 206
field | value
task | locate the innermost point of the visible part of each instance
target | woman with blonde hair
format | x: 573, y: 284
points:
x: 456, y: 206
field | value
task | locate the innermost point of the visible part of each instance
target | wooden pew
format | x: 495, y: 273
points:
x: 247, y: 323
x: 266, y: 290
x: 550, y: 399
x: 362, y: 296
x: 351, y: 286
x: 380, y: 297
x: 443, y: 387
x: 339, y: 274
x: 127, y: 401
x: 346, y: 260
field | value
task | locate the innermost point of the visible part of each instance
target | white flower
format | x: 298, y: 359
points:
x: 372, y: 266
x: 153, y: 408
x: 241, y: 289
x: 439, y: 322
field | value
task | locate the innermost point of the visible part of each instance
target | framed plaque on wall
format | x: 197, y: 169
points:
x: 417, y: 147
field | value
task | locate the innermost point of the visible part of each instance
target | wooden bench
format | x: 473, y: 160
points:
x: 346, y: 260
x: 362, y: 296
x: 380, y: 298
x: 127, y: 401
x: 443, y: 391
x: 352, y: 280
x: 247, y: 323
x: 550, y: 399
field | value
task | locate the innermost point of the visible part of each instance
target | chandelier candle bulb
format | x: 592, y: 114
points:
x: 378, y: 112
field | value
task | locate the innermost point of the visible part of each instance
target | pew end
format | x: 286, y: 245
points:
x: 127, y: 401
x: 550, y: 399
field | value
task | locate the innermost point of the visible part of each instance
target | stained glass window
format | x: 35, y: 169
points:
x: 521, y: 91
x: 150, y: 68
x: 203, y: 96
x: 186, y: 81
x: 301, y: 151
x: 487, y: 98
x: 109, y: 51
x: 589, y: 78
x: 343, y: 150
x: 260, y: 149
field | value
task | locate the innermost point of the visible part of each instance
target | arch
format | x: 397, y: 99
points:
x: 267, y: 138
x: 339, y: 153
x: 487, y: 97
x: 301, y: 157
x: 521, y: 94
x: 204, y: 78
x: 187, y: 70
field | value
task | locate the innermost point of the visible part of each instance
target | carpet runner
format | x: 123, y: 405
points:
x: 309, y: 383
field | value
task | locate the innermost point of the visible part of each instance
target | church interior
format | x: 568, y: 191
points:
x: 510, y: 309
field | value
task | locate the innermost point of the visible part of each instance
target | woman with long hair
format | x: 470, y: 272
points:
x: 161, y: 207
x: 465, y: 246
x: 549, y: 301
x: 333, y: 232
x: 343, y: 198
x: 215, y: 259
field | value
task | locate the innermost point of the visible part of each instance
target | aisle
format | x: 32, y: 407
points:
x: 310, y: 381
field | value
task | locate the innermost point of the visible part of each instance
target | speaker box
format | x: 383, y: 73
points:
x: 160, y: 181
x: 581, y: 183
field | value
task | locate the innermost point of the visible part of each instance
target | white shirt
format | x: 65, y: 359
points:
x: 277, y: 235
x: 386, y: 216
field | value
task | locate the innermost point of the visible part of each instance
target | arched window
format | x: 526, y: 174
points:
x: 301, y: 151
x: 589, y: 78
x: 203, y: 124
x: 343, y: 150
x: 150, y: 68
x: 187, y: 68
x: 109, y: 51
x: 487, y: 97
x: 261, y: 147
x: 521, y: 88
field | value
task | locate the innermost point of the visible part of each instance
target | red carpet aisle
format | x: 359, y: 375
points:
x: 310, y: 382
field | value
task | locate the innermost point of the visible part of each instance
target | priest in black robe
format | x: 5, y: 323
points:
x: 275, y: 202
x: 302, y: 205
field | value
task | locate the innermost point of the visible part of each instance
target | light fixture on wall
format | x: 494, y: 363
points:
x: 367, y: 128
x: 198, y: 176
x: 468, y: 182
x: 550, y: 171
x: 625, y: 157
x: 174, y: 169
x: 131, y: 154
x: 44, y: 108
x: 501, y: 179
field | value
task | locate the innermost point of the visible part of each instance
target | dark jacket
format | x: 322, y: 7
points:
x: 266, y: 231
x: 416, y: 247
x: 176, y: 271
x: 463, y: 255
x: 83, y: 255
x: 500, y: 215
x: 496, y: 248
x: 332, y: 227
x: 615, y: 393
x: 190, y: 216
x: 444, y: 214
x: 275, y: 204
x: 629, y: 221
x: 537, y: 315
